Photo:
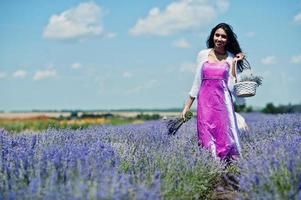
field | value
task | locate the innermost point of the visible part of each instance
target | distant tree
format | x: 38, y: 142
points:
x: 249, y: 109
x: 73, y: 114
x: 91, y: 115
x: 148, y: 117
x: 269, y: 108
x: 243, y: 108
x: 239, y: 108
x: 296, y: 108
x: 289, y: 108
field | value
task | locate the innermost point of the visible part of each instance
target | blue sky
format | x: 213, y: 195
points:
x: 137, y: 54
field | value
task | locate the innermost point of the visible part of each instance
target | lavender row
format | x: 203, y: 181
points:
x: 271, y: 167
x: 106, y: 162
x: 144, y: 162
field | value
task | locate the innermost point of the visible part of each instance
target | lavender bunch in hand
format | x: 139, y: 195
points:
x: 174, y: 124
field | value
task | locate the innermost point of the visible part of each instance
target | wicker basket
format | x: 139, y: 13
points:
x: 245, y: 88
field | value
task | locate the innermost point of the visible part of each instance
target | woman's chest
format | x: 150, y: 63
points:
x: 217, y: 69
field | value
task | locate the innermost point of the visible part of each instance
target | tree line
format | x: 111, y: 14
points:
x: 270, y: 108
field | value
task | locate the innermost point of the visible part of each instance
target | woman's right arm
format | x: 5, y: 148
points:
x: 187, y: 106
x: 195, y: 85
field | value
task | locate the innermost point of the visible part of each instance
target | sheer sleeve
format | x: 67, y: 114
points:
x: 198, y: 74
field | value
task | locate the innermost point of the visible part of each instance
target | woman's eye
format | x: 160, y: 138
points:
x: 219, y: 35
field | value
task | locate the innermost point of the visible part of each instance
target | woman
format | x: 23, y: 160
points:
x: 216, y: 120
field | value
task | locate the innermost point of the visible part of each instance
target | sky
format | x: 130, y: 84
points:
x: 110, y: 54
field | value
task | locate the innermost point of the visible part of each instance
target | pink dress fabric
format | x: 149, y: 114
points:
x: 216, y: 122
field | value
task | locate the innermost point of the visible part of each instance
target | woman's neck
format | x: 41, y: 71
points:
x: 213, y: 56
x: 219, y: 51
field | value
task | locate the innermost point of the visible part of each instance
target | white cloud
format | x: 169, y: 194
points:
x: 81, y: 21
x: 181, y: 43
x: 2, y: 75
x: 127, y: 75
x: 188, y: 67
x: 76, y: 65
x: 297, y: 18
x: 20, y: 74
x: 41, y: 74
x: 181, y: 15
x: 269, y: 60
x: 111, y: 35
x: 296, y: 59
x: 250, y: 34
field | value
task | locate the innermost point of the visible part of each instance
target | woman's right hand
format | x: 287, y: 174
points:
x: 187, y: 107
x: 185, y: 110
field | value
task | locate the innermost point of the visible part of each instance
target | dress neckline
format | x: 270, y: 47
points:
x: 227, y: 60
x: 221, y: 62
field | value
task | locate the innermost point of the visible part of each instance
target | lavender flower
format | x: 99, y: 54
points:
x: 173, y: 125
x: 257, y: 79
x: 271, y: 165
x: 141, y: 161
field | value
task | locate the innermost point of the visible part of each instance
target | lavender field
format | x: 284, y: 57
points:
x: 142, y: 161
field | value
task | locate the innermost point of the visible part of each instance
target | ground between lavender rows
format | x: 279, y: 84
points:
x: 143, y: 162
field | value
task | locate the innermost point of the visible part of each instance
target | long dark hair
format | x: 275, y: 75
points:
x: 232, y: 45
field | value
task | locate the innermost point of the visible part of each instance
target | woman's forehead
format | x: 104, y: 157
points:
x: 221, y: 31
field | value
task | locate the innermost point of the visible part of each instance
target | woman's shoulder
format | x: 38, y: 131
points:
x: 203, y: 54
x: 230, y: 58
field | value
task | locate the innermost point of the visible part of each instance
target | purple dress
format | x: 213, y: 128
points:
x: 216, y: 122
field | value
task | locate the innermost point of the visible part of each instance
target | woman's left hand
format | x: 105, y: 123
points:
x: 240, y: 56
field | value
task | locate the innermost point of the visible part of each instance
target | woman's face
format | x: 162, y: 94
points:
x: 220, y: 38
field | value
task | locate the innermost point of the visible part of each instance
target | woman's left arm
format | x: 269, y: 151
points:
x: 238, y: 57
x: 233, y: 78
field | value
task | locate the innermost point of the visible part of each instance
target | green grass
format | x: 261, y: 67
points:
x: 19, y: 125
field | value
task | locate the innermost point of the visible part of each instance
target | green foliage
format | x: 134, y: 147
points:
x: 272, y: 109
x: 281, y: 179
x: 105, y: 115
x: 194, y: 183
x: 181, y: 177
x: 249, y: 109
x: 39, y: 124
x: 17, y: 126
x: 125, y: 166
x: 178, y: 180
x: 74, y: 115
x: 148, y: 117
x: 120, y: 121
x: 243, y: 108
x: 21, y: 125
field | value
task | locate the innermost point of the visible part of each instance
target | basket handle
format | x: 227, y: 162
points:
x: 245, y: 65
